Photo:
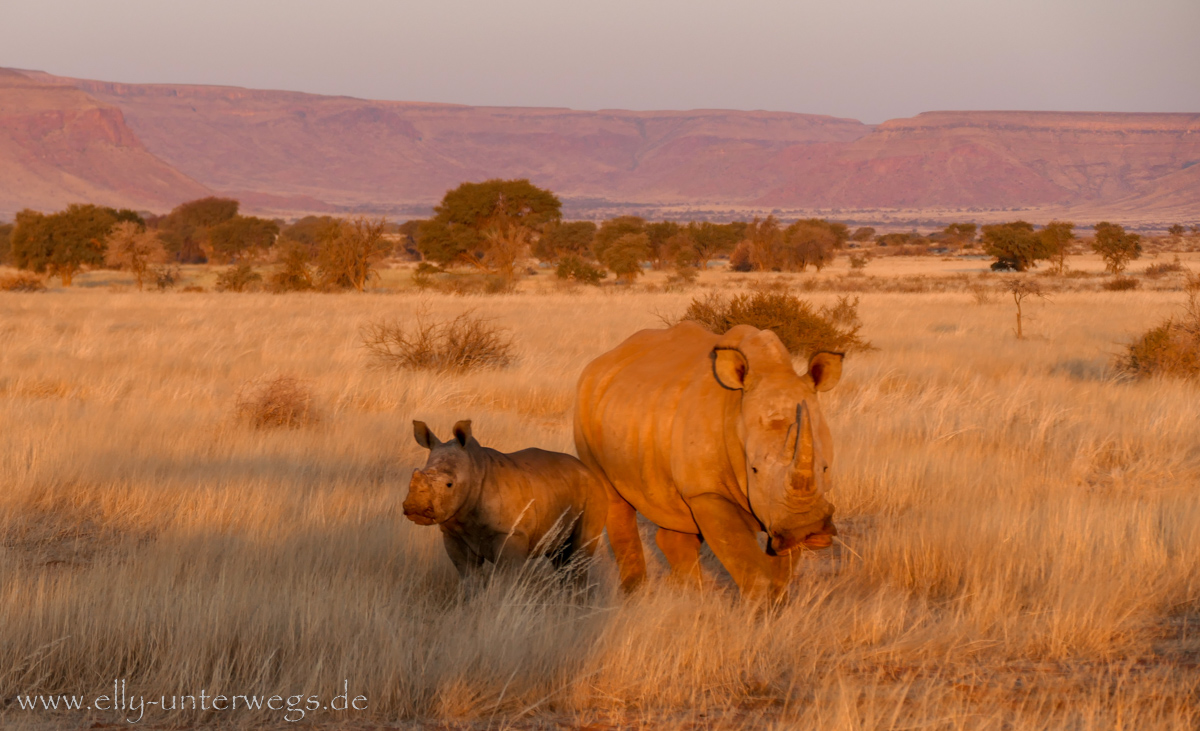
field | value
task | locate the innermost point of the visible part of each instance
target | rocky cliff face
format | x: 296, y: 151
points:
x: 59, y: 145
x: 998, y: 160
x: 300, y: 151
x: 350, y: 151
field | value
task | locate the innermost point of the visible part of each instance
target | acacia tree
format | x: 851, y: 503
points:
x: 625, y: 256
x: 1015, y: 244
x: 810, y: 242
x: 350, y: 252
x: 664, y: 240
x: 62, y: 243
x: 714, y: 239
x: 185, y: 230
x: 1116, y: 247
x: 560, y: 238
x: 613, y: 229
x: 1056, y: 240
x: 961, y: 233
x: 1022, y: 289
x: 506, y: 244
x: 764, y: 244
x: 458, y: 232
x: 242, y: 237
x: 133, y: 248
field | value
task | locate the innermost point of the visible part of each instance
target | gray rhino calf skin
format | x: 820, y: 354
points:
x: 504, y: 508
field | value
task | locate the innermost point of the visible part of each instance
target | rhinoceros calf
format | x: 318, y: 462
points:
x: 504, y: 508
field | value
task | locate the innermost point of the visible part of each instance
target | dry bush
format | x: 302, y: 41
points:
x: 844, y: 312
x: 801, y: 327
x: 283, y: 401
x: 238, y: 278
x: 165, y: 277
x: 574, y: 268
x: 294, y: 274
x: 981, y: 293
x: 1121, y: 284
x: 462, y: 343
x: 1154, y: 271
x: 1171, y: 348
x: 22, y: 282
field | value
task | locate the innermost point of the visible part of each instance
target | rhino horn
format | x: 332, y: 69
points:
x: 805, y: 459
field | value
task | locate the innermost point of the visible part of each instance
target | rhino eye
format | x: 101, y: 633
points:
x: 449, y: 484
x: 754, y: 469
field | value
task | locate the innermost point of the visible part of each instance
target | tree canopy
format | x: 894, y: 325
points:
x: 1115, y: 246
x: 63, y: 243
x: 5, y: 251
x: 1056, y: 240
x: 613, y: 229
x: 185, y: 230
x: 457, y: 230
x: 241, y: 237
x: 1015, y: 244
x: 560, y: 238
x: 625, y: 255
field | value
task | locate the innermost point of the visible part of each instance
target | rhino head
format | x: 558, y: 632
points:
x: 787, y: 444
x: 447, y: 482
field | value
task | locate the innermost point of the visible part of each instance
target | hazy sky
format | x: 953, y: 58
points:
x: 867, y: 59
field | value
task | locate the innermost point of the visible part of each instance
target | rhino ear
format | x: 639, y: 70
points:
x: 730, y: 367
x: 423, y: 436
x: 825, y: 370
x: 462, y: 432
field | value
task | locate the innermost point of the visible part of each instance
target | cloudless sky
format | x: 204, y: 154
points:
x: 867, y: 59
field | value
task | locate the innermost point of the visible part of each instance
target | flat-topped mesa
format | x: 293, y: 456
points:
x: 316, y: 152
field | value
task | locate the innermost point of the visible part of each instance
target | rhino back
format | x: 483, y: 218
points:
x: 535, y: 488
x: 652, y: 420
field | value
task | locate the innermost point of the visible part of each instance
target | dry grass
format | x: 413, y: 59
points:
x: 1021, y: 531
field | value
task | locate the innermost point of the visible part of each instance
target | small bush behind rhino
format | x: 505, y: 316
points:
x: 505, y: 508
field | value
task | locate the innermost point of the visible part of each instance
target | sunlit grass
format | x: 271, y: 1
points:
x: 1020, y: 530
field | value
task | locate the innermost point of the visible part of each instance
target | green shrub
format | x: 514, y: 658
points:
x: 1163, y: 268
x: 294, y: 275
x: 237, y: 278
x: 798, y: 324
x: 1171, y: 348
x: 573, y: 267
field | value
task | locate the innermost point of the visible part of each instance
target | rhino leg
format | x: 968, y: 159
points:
x: 511, y: 550
x: 733, y: 536
x: 464, y: 559
x: 625, y: 541
x: 683, y: 553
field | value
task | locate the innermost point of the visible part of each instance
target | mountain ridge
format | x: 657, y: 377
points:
x: 294, y: 151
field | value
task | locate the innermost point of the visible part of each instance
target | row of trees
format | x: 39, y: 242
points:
x: 492, y: 226
x: 1018, y: 245
x: 343, y: 252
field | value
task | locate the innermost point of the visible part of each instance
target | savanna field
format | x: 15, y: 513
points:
x: 1019, y: 525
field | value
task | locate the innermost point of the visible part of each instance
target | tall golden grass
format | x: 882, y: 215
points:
x: 1020, y: 530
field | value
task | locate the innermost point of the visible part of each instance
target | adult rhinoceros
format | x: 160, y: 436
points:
x: 712, y: 438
